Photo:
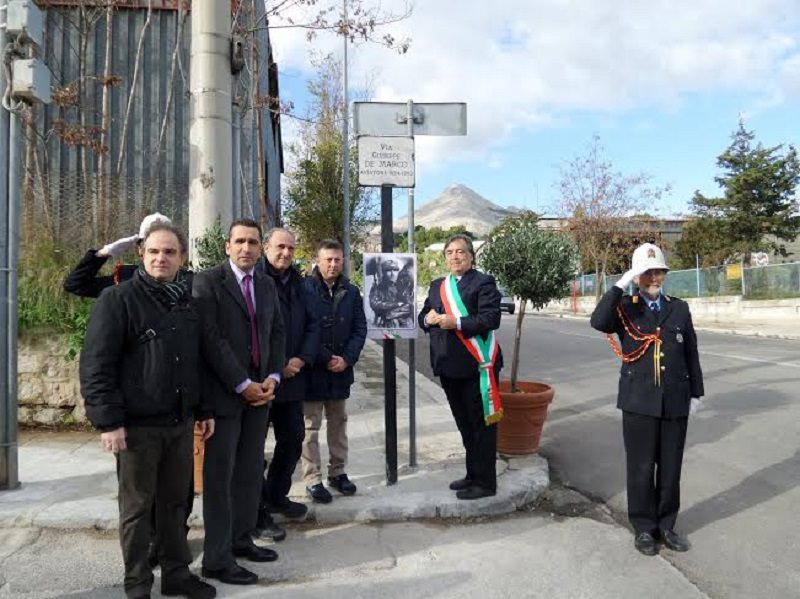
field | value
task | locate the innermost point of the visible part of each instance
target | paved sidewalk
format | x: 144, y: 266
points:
x: 68, y: 482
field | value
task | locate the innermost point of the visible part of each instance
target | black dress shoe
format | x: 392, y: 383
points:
x: 342, y: 484
x: 233, y: 575
x: 475, y: 492
x: 191, y: 587
x: 319, y: 493
x: 290, y: 509
x: 672, y: 540
x: 645, y: 543
x: 270, y: 532
x: 461, y: 483
x: 254, y: 553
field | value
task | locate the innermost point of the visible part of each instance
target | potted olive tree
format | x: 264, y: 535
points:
x: 536, y: 266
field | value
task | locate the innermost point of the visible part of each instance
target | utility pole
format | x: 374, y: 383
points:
x: 21, y: 29
x: 210, y: 143
x: 9, y: 476
x: 346, y: 151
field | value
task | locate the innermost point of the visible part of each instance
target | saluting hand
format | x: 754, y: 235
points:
x: 118, y: 248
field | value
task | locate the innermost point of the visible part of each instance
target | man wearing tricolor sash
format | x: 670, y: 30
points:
x: 660, y: 383
x: 461, y: 314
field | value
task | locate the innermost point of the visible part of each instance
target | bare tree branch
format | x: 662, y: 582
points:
x: 134, y: 82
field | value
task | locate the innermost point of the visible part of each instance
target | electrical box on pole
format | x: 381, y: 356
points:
x: 25, y: 21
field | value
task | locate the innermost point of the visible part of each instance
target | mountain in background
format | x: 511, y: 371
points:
x: 457, y: 205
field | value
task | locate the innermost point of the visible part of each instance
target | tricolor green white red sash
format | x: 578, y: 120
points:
x: 484, y: 351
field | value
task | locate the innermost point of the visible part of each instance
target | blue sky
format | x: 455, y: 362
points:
x: 662, y: 83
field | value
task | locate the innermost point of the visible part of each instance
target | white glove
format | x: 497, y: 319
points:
x: 694, y: 405
x: 626, y: 279
x: 118, y: 248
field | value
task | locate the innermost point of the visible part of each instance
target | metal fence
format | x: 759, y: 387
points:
x: 757, y: 282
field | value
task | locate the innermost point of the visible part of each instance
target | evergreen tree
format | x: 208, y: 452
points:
x: 759, y: 209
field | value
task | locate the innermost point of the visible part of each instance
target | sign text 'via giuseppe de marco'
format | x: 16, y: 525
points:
x: 386, y: 161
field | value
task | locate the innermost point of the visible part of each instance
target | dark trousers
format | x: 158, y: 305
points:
x: 156, y: 466
x: 288, y: 427
x: 480, y: 439
x: 232, y: 474
x: 654, y: 455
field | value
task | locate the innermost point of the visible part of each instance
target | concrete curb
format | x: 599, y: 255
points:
x: 69, y: 483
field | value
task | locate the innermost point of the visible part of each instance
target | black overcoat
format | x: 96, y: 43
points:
x: 481, y: 298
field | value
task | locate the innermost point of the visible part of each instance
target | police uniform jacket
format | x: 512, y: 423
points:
x: 681, y: 376
x: 449, y: 357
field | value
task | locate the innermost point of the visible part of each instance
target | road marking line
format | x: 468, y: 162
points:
x: 748, y: 359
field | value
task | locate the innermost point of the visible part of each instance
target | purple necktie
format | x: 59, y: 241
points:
x: 255, y: 351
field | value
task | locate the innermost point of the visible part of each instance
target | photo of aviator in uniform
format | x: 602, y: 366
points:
x: 390, y: 282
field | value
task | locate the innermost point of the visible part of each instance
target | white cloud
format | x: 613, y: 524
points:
x: 526, y: 64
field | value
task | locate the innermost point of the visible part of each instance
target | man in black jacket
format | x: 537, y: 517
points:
x: 247, y: 314
x: 138, y: 375
x: 660, y: 383
x: 343, y: 331
x: 286, y: 411
x: 451, y: 333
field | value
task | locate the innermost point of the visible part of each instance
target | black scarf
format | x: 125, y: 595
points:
x: 168, y: 294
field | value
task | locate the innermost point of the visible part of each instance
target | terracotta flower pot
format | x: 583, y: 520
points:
x: 524, y: 413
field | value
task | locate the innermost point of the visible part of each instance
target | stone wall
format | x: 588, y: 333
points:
x: 48, y: 391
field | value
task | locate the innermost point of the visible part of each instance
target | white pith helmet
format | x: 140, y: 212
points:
x: 149, y: 221
x: 646, y: 257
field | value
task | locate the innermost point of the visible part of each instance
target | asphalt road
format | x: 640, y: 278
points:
x: 741, y: 476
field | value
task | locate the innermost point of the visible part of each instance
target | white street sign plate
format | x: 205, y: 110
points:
x: 391, y: 118
x: 386, y: 161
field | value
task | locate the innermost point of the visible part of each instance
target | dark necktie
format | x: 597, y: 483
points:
x: 654, y: 307
x: 255, y: 350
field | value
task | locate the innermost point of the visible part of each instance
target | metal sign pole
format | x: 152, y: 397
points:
x: 389, y: 356
x: 412, y: 357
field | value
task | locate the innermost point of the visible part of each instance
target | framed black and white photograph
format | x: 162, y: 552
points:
x: 390, y: 284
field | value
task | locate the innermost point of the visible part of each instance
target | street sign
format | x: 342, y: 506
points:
x: 386, y: 161
x: 391, y: 118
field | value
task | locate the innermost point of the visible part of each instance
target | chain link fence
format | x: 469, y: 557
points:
x: 757, y: 282
x: 76, y: 213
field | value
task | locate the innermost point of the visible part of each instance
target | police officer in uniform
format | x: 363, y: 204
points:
x: 660, y: 385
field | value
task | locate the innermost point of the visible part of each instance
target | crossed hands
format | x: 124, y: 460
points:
x: 443, y: 321
x: 293, y: 366
x: 259, y: 394
x: 337, y: 364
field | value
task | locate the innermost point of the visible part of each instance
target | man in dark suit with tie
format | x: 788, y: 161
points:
x: 248, y: 317
x: 660, y: 385
x: 452, y: 329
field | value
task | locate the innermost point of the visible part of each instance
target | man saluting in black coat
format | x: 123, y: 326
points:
x: 461, y: 313
x: 660, y: 383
